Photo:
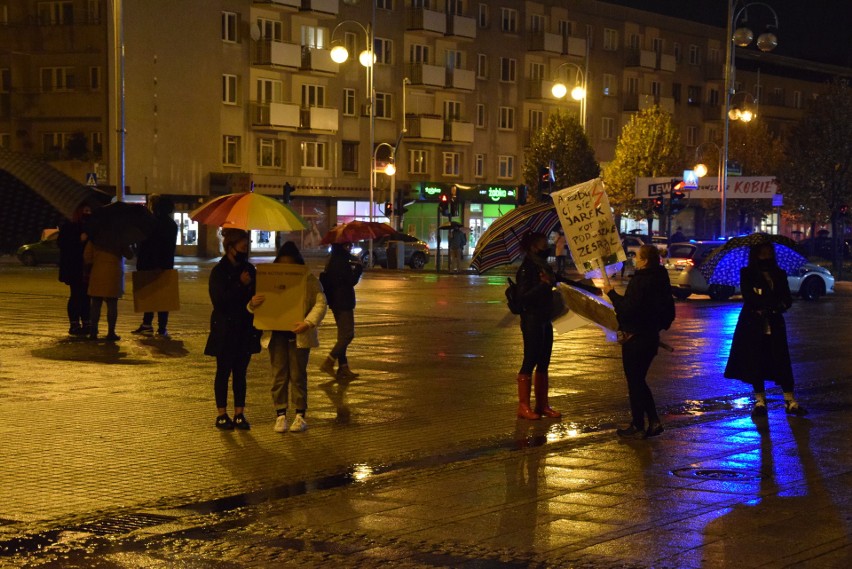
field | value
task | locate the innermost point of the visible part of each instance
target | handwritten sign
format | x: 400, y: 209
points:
x: 284, y: 285
x: 589, y: 225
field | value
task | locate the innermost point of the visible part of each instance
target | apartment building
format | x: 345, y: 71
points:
x: 230, y: 95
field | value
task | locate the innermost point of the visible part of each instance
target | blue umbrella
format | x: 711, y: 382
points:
x: 724, y: 267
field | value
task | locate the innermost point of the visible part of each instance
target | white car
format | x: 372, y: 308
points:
x: 684, y: 260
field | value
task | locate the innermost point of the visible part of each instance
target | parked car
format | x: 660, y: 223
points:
x: 416, y: 251
x: 43, y: 252
x: 822, y: 247
x: 684, y: 260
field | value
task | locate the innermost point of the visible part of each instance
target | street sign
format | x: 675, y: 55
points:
x: 735, y: 169
x: 91, y: 179
x: 690, y: 180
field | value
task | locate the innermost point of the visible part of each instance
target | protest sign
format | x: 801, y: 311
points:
x: 156, y: 291
x: 284, y: 285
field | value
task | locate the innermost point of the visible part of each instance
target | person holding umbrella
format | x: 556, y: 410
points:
x: 342, y: 273
x: 72, y: 241
x: 233, y: 338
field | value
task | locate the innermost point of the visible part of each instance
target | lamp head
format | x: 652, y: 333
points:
x: 390, y: 169
x: 339, y: 54
x: 767, y: 41
x: 700, y: 170
x: 743, y: 37
x: 578, y: 93
x: 559, y: 90
x: 367, y: 58
x: 746, y: 115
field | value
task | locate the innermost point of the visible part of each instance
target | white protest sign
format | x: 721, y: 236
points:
x: 284, y: 285
x: 589, y: 225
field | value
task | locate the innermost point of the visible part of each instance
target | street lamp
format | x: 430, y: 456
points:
x: 747, y: 111
x: 389, y: 170
x: 578, y: 93
x: 740, y: 37
x: 701, y: 169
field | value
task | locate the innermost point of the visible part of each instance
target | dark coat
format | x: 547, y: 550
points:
x: 158, y: 250
x: 71, y: 249
x: 342, y: 273
x: 231, y: 324
x: 535, y: 295
x: 754, y: 354
x: 648, y: 296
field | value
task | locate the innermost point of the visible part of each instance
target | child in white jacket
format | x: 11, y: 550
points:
x: 289, y: 349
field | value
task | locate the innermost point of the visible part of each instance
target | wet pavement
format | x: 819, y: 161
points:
x: 110, y: 458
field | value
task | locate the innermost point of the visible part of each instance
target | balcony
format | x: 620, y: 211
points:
x: 315, y: 59
x: 461, y: 27
x: 545, y: 42
x: 666, y: 62
x: 540, y: 90
x: 630, y: 102
x: 711, y: 113
x: 641, y: 58
x: 427, y: 21
x: 277, y: 54
x: 463, y: 79
x: 274, y: 116
x: 424, y: 128
x: 458, y: 131
x: 427, y: 75
x: 289, y: 5
x: 321, y: 8
x: 319, y: 119
x: 575, y: 46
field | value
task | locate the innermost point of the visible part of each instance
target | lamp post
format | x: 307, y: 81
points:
x: 120, y: 112
x: 701, y: 169
x: 578, y: 93
x: 739, y: 37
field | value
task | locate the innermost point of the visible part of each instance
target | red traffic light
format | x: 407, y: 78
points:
x: 444, y: 198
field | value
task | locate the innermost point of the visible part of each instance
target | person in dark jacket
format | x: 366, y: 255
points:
x: 233, y: 338
x: 72, y: 241
x: 157, y: 252
x: 640, y: 311
x: 759, y: 348
x: 342, y: 273
x: 535, y: 280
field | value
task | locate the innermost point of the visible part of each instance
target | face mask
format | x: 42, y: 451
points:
x: 240, y: 257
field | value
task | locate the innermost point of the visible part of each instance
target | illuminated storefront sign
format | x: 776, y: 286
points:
x: 479, y: 193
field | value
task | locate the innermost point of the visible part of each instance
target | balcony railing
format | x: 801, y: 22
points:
x: 275, y: 115
x: 423, y: 20
x: 463, y: 79
x: 320, y: 118
x: 278, y: 54
x: 424, y: 128
x: 458, y: 131
x: 288, y: 4
x: 321, y: 7
x: 461, y: 27
x: 315, y: 59
x: 546, y: 42
x: 427, y: 75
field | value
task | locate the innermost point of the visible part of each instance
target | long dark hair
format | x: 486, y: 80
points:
x: 529, y: 239
x: 755, y: 251
x: 289, y: 249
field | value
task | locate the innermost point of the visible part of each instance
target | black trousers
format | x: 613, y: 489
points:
x: 636, y: 356
x: 538, y: 343
x: 236, y: 365
x: 78, y: 304
x: 162, y: 320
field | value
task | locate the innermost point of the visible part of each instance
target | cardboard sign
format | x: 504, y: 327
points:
x: 284, y: 285
x: 156, y: 291
x: 589, y: 225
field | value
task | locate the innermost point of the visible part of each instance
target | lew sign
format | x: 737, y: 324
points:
x: 748, y: 187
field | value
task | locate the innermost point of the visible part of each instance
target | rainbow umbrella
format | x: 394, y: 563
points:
x: 357, y: 231
x: 247, y: 210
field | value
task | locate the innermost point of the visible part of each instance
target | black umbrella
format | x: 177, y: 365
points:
x: 120, y: 224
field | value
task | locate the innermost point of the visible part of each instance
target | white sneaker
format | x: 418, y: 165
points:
x: 280, y: 424
x: 299, y: 424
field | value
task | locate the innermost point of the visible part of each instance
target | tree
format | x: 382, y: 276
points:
x: 817, y: 181
x: 649, y: 146
x: 563, y: 143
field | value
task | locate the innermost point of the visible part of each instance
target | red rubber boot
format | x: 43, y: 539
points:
x: 542, y: 384
x: 524, y: 388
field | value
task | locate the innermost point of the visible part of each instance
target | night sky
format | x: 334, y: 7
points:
x: 817, y: 30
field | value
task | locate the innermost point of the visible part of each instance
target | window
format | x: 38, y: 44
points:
x: 714, y: 56
x: 607, y: 128
x: 349, y: 107
x: 231, y: 150
x: 383, y: 51
x: 536, y: 23
x: 452, y: 163
x: 693, y: 95
x: 453, y: 59
x: 53, y: 143
x: 313, y: 154
x: 481, y: 66
x: 713, y: 97
x: 95, y: 78
x: 608, y: 82
x: 509, y: 20
x: 314, y: 37
x: 452, y: 110
x: 269, y: 91
x: 694, y: 55
x: 691, y: 135
x: 479, y: 166
x: 98, y: 144
x: 418, y: 161
x: 632, y: 41
x: 713, y: 134
x: 610, y: 39
x: 507, y: 69
x: 384, y: 106
x: 678, y: 52
x: 229, y: 89
x: 270, y: 29
x: 483, y: 18
x: 656, y: 90
x: 230, y: 27
x: 505, y: 166
x: 455, y: 7
x: 313, y: 95
x: 657, y: 45
x: 56, y: 13
x: 384, y: 4
x: 93, y: 11
x: 55, y: 79
x: 269, y: 152
x: 536, y: 119
x: 481, y: 116
x: 507, y: 118
x: 349, y: 156
x: 565, y: 28
x: 797, y: 99
x: 676, y: 92
x: 419, y: 53
x: 536, y: 71
x: 633, y: 85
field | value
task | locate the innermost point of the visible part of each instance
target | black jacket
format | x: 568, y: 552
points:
x: 158, y: 250
x: 342, y: 273
x: 71, y: 252
x: 231, y: 324
x: 648, y: 297
x: 535, y: 295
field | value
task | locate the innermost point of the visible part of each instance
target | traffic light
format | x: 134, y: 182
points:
x: 454, y: 206
x: 545, y: 179
x: 843, y: 210
x: 521, y: 195
x: 678, y: 202
x: 444, y: 205
x: 288, y: 192
x: 659, y: 205
x: 388, y: 209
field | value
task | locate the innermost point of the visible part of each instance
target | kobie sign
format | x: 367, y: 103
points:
x: 749, y: 187
x: 589, y: 226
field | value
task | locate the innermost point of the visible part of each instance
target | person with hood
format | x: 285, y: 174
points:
x: 342, y: 273
x: 72, y: 239
x: 233, y: 338
x: 646, y: 307
x: 535, y: 280
x: 289, y: 350
x: 759, y: 349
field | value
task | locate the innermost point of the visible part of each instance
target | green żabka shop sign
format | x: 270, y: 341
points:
x: 478, y: 193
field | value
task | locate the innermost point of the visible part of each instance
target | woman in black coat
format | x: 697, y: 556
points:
x: 759, y: 349
x: 342, y: 273
x: 233, y: 338
x: 645, y: 308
